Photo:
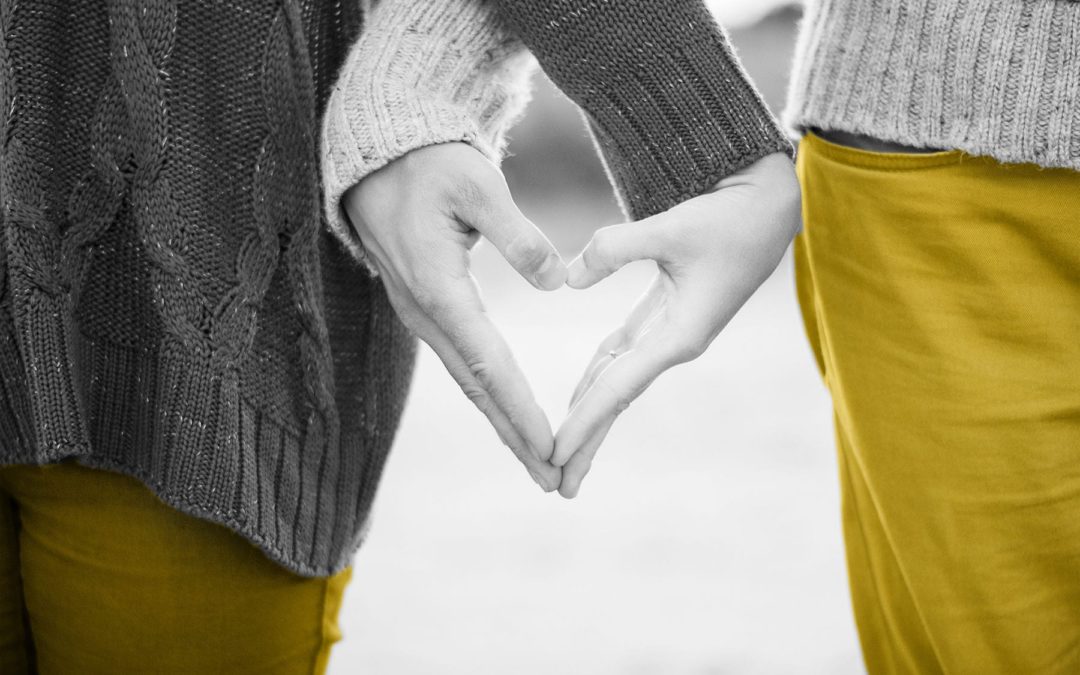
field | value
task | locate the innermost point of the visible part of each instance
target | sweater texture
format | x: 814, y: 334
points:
x: 180, y: 298
x: 422, y: 73
x: 667, y: 103
x: 990, y: 77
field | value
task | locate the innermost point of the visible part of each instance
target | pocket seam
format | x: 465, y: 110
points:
x: 880, y: 160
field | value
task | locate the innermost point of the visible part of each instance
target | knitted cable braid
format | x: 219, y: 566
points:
x: 180, y: 299
x: 12, y: 370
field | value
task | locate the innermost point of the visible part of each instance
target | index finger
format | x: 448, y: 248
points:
x: 462, y: 318
x: 611, y: 393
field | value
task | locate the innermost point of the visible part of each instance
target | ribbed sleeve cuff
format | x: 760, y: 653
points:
x: 666, y: 99
x: 421, y: 73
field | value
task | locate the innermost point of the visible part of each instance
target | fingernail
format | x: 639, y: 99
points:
x: 539, y: 481
x: 574, y: 271
x: 552, y: 273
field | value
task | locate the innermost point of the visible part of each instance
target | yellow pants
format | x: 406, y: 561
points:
x: 98, y: 576
x: 941, y: 294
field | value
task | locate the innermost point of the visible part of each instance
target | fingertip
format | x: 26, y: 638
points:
x: 561, y: 453
x: 543, y: 452
x: 574, y: 473
x: 570, y: 487
x: 545, y: 485
x: 577, y: 274
x: 541, y: 440
x: 548, y: 477
x: 552, y: 274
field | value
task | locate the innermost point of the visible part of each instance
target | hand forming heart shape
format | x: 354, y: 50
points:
x: 419, y: 216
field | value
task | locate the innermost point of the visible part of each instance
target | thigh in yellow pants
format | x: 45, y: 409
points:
x: 98, y: 576
x: 941, y: 293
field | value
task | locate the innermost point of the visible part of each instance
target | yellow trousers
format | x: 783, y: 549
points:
x: 941, y: 295
x: 98, y: 576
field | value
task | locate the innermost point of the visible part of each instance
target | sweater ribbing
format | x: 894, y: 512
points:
x: 1000, y: 79
x: 422, y: 73
x: 174, y: 306
x: 666, y: 101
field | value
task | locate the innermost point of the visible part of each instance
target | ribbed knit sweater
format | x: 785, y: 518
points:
x: 175, y: 300
x: 999, y: 78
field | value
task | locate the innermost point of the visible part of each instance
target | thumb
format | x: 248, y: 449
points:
x: 613, y: 247
x: 489, y: 209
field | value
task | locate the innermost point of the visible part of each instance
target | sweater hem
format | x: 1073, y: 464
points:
x: 990, y: 79
x: 84, y: 457
x: 799, y: 126
x: 257, y: 539
x: 300, y: 492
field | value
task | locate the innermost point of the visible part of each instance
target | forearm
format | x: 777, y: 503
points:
x: 667, y: 101
x: 421, y: 73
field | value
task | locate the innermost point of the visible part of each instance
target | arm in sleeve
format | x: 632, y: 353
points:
x: 422, y: 72
x: 665, y: 98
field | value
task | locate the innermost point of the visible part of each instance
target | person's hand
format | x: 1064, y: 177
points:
x: 418, y: 218
x: 712, y: 251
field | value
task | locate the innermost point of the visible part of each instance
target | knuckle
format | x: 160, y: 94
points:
x: 478, y: 396
x: 468, y: 190
x: 482, y: 372
x: 426, y: 297
x: 526, y: 252
x: 691, y: 347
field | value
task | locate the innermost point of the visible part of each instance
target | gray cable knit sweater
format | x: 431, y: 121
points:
x: 992, y: 77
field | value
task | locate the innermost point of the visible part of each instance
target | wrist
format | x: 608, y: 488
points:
x: 420, y: 74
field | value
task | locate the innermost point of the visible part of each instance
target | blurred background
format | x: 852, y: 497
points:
x: 706, y: 539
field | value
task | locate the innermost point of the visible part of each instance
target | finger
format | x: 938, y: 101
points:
x: 607, y: 352
x: 648, y: 308
x: 488, y: 207
x: 578, y: 467
x: 548, y: 477
x: 488, y: 359
x: 614, y: 246
x: 545, y: 475
x: 612, y: 392
x: 632, y: 337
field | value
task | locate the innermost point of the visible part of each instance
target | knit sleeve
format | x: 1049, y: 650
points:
x: 421, y: 72
x: 665, y: 97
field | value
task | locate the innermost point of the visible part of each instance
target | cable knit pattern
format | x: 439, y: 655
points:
x: 422, y: 73
x: 993, y: 78
x: 175, y: 300
x: 40, y: 297
x: 169, y: 278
